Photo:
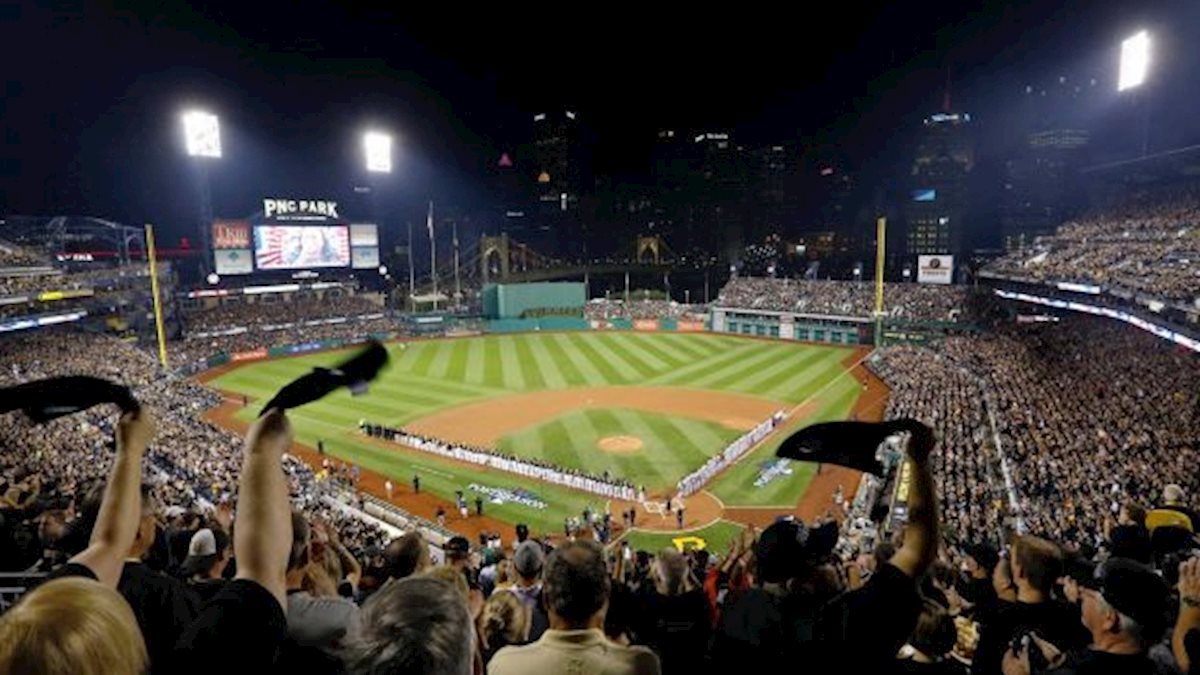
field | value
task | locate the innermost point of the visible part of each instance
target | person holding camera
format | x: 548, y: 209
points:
x: 1124, y: 607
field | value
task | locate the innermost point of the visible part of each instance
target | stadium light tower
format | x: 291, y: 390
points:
x: 202, y: 141
x: 1135, y: 61
x: 378, y: 149
x: 202, y: 134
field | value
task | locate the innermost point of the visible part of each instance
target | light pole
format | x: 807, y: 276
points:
x: 1134, y: 68
x: 202, y: 141
x: 377, y: 155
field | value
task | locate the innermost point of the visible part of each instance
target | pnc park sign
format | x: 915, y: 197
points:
x: 300, y: 209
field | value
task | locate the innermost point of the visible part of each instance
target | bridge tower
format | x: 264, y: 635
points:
x: 494, y: 258
x: 649, y: 249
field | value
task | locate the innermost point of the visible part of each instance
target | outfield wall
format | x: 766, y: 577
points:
x: 513, y: 301
x: 830, y: 329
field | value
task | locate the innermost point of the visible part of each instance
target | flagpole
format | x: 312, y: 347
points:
x: 432, y: 254
x: 412, y: 273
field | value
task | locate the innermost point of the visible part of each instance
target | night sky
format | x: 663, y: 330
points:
x: 92, y: 96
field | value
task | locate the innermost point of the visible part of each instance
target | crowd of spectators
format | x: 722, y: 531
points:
x: 12, y: 255
x: 605, y: 485
x: 606, y: 308
x: 915, y: 302
x: 259, y: 314
x: 172, y: 547
x: 1147, y: 244
x: 193, y: 466
x: 244, y: 326
x: 927, y: 386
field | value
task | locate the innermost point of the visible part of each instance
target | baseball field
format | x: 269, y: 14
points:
x: 647, y: 407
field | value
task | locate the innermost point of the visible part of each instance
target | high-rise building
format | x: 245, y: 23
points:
x: 1041, y: 187
x: 938, y: 202
x: 560, y: 171
x: 717, y: 186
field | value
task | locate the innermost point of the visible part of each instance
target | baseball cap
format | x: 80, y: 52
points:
x: 206, y: 545
x: 457, y: 546
x: 529, y: 558
x: 1135, y: 591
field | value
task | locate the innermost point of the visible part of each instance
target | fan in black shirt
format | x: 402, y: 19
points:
x: 1037, y: 565
x: 1124, y: 607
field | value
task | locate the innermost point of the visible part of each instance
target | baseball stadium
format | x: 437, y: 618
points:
x: 644, y: 407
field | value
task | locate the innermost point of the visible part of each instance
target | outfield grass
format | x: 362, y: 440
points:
x: 431, y: 375
x: 673, y: 446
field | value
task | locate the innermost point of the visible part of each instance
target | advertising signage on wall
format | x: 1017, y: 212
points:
x: 935, y: 269
x: 313, y: 210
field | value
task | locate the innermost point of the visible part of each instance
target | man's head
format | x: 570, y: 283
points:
x: 300, y: 553
x: 406, y: 555
x: 1125, y: 603
x: 1173, y: 494
x: 208, y: 554
x: 1132, y: 513
x: 1036, y: 564
x: 415, y: 625
x: 576, y: 585
x: 528, y: 561
x: 672, y: 571
x: 458, y: 551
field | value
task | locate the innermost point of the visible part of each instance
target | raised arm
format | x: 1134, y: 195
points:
x: 263, y: 529
x: 120, y: 508
x: 921, y: 535
x: 1189, y: 611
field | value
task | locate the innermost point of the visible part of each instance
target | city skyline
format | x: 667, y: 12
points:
x: 293, y: 97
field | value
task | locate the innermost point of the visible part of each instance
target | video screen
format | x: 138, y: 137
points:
x: 283, y: 247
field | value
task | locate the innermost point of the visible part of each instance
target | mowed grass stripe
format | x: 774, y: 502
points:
x: 614, y: 372
x: 531, y: 370
x: 441, y: 359
x: 647, y: 364
x: 738, y: 370
x: 789, y: 368
x: 807, y: 384
x: 493, y: 374
x: 474, y: 372
x: 677, y: 436
x: 562, y: 360
x: 589, y: 370
x: 424, y: 359
x: 457, y: 372
x: 549, y: 369
x: 797, y: 383
x: 691, y: 347
x: 404, y: 354
x: 514, y: 378
x: 688, y: 375
x: 419, y: 395
x: 656, y: 352
x: 626, y: 365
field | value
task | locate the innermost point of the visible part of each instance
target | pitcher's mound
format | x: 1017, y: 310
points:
x: 620, y: 444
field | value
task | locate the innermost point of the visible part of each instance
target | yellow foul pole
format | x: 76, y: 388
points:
x: 158, y: 319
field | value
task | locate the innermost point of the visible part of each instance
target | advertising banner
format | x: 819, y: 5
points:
x: 645, y: 324
x: 281, y: 247
x: 230, y: 234
x: 364, y: 257
x: 935, y: 269
x: 248, y: 356
x: 233, y: 261
x: 691, y: 326
x: 364, y: 235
